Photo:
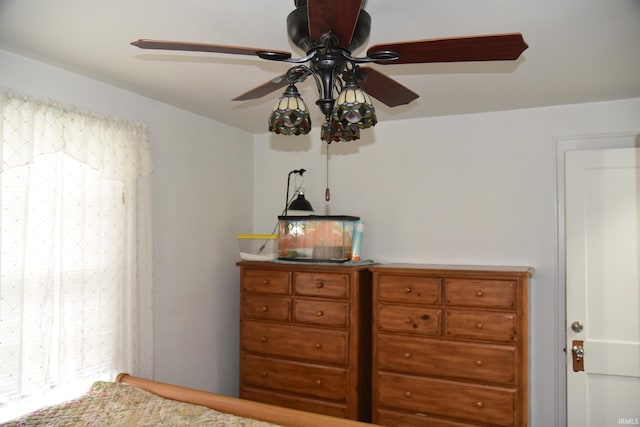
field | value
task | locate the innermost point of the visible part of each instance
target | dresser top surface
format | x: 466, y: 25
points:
x: 400, y: 268
x: 302, y: 266
x: 449, y: 268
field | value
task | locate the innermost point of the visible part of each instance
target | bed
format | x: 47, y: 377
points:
x: 135, y: 401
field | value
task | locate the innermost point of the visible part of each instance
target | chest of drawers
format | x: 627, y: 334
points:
x: 305, y: 337
x: 450, y: 345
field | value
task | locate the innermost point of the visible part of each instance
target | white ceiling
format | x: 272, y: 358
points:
x: 579, y: 51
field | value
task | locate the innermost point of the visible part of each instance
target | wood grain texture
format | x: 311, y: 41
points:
x: 450, y: 345
x: 338, y: 17
x: 494, y: 47
x: 240, y: 407
x: 318, y: 357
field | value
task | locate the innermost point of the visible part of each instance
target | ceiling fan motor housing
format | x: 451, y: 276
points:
x: 298, y: 29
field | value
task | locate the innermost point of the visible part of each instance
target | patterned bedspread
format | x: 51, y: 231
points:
x: 114, y: 404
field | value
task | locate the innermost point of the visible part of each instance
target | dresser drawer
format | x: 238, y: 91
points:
x: 481, y: 293
x: 416, y: 320
x: 325, y: 285
x: 478, y: 362
x: 483, y: 404
x: 266, y: 307
x: 320, y: 312
x: 493, y: 326
x: 335, y: 409
x: 291, y: 341
x: 266, y: 281
x: 400, y: 419
x: 311, y: 380
x: 422, y: 290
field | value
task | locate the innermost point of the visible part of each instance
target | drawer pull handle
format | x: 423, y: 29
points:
x: 479, y: 294
x: 265, y: 308
x: 479, y: 325
x: 318, y: 346
x: 263, y: 339
x: 479, y: 405
x: 263, y: 373
x: 407, y: 355
x: 266, y: 281
x: 408, y: 290
x: 478, y: 363
x: 319, y: 382
x: 319, y: 285
x: 407, y: 394
x: 319, y: 313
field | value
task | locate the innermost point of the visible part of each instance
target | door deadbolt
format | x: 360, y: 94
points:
x: 577, y: 326
x: 577, y: 352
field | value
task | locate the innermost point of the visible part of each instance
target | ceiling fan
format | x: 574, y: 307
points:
x: 328, y: 31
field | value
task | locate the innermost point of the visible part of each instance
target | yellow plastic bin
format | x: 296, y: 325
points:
x: 258, y: 247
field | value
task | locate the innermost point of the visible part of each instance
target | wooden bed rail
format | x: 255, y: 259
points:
x: 244, y: 408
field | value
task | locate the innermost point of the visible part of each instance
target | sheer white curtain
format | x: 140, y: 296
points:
x: 75, y: 251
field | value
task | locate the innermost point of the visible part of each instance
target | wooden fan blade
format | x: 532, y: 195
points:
x: 264, y: 89
x: 336, y: 16
x: 497, y: 47
x: 204, y: 47
x: 385, y: 89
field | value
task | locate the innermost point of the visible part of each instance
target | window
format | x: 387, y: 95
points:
x: 75, y: 252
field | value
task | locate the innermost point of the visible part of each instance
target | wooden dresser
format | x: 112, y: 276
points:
x: 450, y: 345
x: 305, y: 337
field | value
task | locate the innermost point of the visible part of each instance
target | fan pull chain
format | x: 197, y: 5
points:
x: 327, y: 193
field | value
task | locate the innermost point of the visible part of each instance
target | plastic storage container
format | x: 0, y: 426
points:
x: 258, y: 247
x: 316, y: 237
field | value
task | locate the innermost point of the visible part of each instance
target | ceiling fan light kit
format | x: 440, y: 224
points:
x: 290, y: 115
x: 354, y: 107
x: 328, y: 31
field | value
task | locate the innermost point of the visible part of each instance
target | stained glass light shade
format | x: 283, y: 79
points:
x: 331, y: 132
x: 354, y: 106
x: 290, y: 115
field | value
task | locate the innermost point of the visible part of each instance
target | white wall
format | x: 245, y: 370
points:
x: 200, y: 203
x: 473, y: 189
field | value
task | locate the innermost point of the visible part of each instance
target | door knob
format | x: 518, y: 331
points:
x: 577, y: 326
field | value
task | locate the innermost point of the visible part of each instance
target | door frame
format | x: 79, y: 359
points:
x: 560, y: 146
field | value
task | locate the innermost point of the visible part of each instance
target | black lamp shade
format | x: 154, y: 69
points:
x: 300, y: 204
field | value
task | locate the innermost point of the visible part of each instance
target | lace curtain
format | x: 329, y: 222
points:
x: 75, y: 251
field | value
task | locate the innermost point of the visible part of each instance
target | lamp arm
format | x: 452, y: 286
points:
x: 298, y: 73
x: 286, y: 200
x: 380, y: 56
x: 280, y: 58
x: 284, y: 211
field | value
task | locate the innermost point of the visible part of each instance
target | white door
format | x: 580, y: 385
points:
x: 602, y: 226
